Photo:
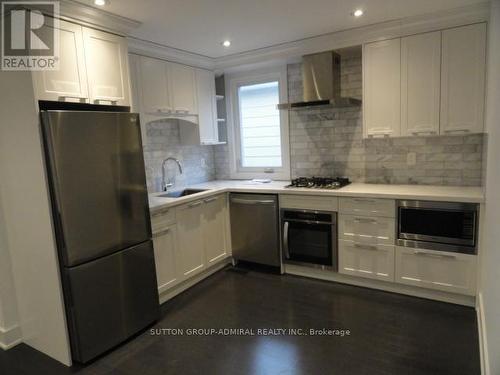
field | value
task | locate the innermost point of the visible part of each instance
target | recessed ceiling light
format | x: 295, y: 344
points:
x: 358, y: 13
x: 226, y: 43
x: 100, y: 3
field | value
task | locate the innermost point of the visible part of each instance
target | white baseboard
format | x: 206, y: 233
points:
x: 483, y: 341
x: 10, y: 337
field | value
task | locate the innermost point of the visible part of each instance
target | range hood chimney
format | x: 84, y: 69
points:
x: 321, y: 82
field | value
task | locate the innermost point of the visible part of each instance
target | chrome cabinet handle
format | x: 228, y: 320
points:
x: 424, y: 254
x: 64, y: 97
x: 211, y: 199
x: 379, y: 135
x: 363, y: 200
x: 285, y: 240
x: 246, y: 201
x: 417, y: 132
x: 161, y: 233
x: 194, y: 204
x: 364, y: 220
x: 366, y: 247
x: 456, y: 130
x: 98, y: 101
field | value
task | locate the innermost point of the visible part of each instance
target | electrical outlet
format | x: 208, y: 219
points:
x: 411, y: 158
x: 203, y: 163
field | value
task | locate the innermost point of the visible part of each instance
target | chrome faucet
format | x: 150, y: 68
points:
x: 164, y: 184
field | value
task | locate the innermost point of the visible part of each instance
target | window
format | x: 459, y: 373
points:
x: 260, y: 125
x: 260, y: 129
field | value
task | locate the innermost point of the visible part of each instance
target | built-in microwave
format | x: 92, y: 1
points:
x: 444, y: 226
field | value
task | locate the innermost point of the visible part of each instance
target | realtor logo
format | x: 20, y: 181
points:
x: 30, y: 38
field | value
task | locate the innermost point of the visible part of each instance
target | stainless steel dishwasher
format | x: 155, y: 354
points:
x: 255, y: 228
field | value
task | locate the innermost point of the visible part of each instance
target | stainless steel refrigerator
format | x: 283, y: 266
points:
x: 100, y: 212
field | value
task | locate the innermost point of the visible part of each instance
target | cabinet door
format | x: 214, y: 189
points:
x: 107, y: 67
x: 381, y: 88
x: 190, y: 238
x: 207, y: 118
x: 462, y: 82
x: 153, y: 85
x: 69, y: 83
x: 182, y: 88
x: 214, y: 228
x: 166, y: 258
x: 450, y: 272
x: 371, y: 261
x: 420, y: 84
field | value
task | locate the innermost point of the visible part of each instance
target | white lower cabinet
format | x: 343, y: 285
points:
x: 366, y: 260
x: 367, y: 206
x: 190, y: 238
x: 362, y: 229
x: 166, y: 257
x: 214, y: 228
x: 449, y: 272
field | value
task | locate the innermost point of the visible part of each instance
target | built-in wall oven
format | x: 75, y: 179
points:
x: 445, y: 226
x: 309, y: 237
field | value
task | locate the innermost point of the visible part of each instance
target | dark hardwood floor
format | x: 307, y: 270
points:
x: 389, y: 333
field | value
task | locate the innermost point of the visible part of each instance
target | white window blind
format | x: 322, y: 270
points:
x: 260, y: 131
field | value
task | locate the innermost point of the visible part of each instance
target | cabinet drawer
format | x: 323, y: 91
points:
x: 368, y: 206
x: 363, y: 229
x: 366, y: 260
x: 450, y: 272
x: 309, y: 202
x: 162, y: 218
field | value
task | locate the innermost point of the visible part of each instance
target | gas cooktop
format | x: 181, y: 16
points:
x: 319, y: 182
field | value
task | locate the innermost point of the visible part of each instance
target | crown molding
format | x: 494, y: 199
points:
x: 150, y: 49
x: 287, y: 52
x: 96, y: 18
x: 292, y: 51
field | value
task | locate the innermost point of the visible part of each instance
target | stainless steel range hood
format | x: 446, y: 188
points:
x: 321, y: 82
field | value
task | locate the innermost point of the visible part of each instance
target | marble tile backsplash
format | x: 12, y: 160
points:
x: 163, y: 140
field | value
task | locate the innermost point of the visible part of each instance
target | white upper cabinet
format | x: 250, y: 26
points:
x: 153, y: 85
x: 107, y: 67
x: 381, y: 88
x: 207, y: 110
x: 420, y: 84
x: 463, y: 76
x: 69, y: 82
x: 182, y: 88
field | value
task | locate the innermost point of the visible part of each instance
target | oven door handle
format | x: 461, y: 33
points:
x: 285, y: 240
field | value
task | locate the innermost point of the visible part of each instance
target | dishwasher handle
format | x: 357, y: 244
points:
x: 253, y: 201
x: 285, y: 240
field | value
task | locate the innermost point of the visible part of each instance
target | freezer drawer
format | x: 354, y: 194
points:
x: 110, y: 299
x: 254, y: 228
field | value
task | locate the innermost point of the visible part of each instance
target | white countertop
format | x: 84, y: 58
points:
x: 422, y: 192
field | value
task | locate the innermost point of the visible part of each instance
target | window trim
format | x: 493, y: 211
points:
x: 233, y: 83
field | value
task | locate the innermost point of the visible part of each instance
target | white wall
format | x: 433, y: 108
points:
x: 10, y: 334
x: 489, y: 287
x: 28, y: 227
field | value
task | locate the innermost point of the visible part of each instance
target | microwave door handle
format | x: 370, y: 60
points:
x: 285, y: 240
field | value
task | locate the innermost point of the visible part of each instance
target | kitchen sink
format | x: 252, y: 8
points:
x: 181, y: 193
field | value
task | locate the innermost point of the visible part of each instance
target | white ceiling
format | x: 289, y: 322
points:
x: 200, y: 26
